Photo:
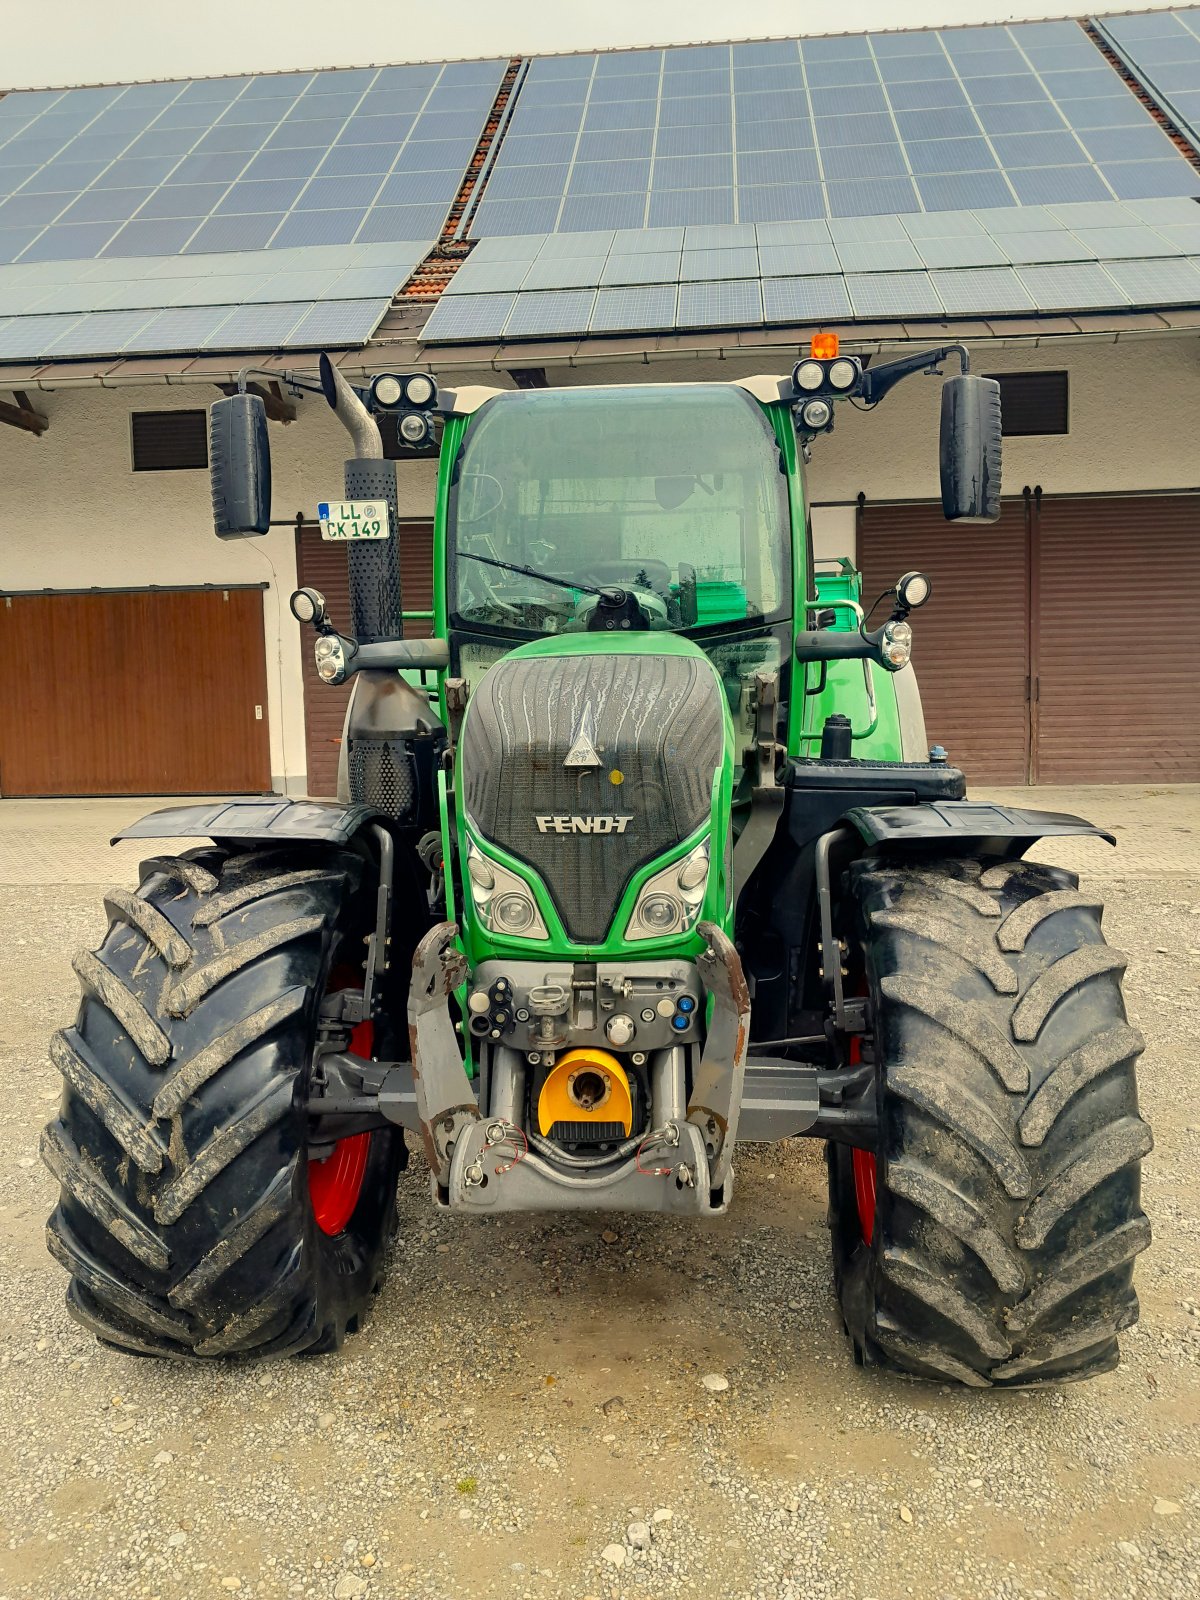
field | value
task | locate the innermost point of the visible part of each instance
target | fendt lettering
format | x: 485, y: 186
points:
x: 598, y: 1019
x: 583, y: 824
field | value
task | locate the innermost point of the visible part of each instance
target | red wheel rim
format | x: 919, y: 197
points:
x: 863, y: 1163
x: 335, y: 1184
x: 863, y: 1166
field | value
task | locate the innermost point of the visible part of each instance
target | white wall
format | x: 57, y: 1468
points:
x: 93, y: 521
x: 77, y: 516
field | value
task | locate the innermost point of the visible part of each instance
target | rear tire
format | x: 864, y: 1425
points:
x: 1006, y: 1214
x: 185, y: 1216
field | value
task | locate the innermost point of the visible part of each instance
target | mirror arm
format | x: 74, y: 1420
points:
x: 293, y: 380
x: 876, y: 381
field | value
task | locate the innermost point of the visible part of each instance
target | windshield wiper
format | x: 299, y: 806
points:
x: 531, y: 572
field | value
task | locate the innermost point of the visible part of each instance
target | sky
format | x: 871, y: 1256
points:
x: 55, y: 42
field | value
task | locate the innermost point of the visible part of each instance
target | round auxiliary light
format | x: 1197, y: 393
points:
x: 693, y: 872
x: 325, y: 647
x: 810, y: 375
x: 419, y: 390
x: 414, y: 429
x: 388, y: 390
x: 661, y: 913
x: 481, y: 873
x: 816, y: 413
x: 913, y: 589
x: 842, y: 374
x: 304, y: 606
x: 512, y: 913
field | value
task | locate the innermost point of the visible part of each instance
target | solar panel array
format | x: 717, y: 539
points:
x: 1163, y: 48
x: 359, y: 155
x: 1074, y: 257
x: 828, y: 127
x: 252, y: 300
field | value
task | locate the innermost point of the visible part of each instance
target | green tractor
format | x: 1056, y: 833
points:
x: 643, y: 854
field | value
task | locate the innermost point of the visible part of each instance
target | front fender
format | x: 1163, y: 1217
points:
x: 952, y: 824
x: 265, y: 819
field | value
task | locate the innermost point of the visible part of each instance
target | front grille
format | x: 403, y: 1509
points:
x: 382, y: 775
x: 656, y: 724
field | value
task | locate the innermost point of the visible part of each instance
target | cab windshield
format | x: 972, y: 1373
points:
x: 673, y: 493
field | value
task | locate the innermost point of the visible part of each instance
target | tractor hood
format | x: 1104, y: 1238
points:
x: 587, y: 756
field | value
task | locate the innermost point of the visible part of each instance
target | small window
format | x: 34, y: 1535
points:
x: 1032, y: 402
x: 169, y: 441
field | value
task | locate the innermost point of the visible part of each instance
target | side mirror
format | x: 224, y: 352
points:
x: 239, y: 464
x: 970, y: 449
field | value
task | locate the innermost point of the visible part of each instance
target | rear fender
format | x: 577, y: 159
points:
x: 265, y: 820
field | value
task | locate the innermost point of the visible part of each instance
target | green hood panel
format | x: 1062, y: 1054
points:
x: 587, y: 760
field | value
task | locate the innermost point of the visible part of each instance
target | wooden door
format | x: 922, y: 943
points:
x: 134, y: 692
x: 1116, y: 604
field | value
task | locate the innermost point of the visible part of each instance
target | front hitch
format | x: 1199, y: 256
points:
x: 446, y: 1103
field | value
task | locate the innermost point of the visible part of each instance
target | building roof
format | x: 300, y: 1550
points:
x: 1022, y: 171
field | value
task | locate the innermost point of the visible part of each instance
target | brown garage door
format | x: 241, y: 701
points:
x: 1056, y: 647
x: 1114, y: 658
x: 969, y: 646
x: 321, y: 564
x: 134, y: 692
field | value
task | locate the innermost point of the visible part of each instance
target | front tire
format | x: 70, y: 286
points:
x: 990, y: 1237
x: 188, y: 1218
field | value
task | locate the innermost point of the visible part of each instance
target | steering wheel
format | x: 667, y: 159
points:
x: 489, y: 510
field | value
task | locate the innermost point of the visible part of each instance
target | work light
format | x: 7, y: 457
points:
x: 809, y: 375
x: 419, y: 390
x: 387, y: 390
x: 815, y: 414
x: 414, y: 428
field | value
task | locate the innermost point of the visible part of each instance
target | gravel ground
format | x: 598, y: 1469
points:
x: 598, y: 1407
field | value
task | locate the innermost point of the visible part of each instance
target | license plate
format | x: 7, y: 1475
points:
x: 353, y: 519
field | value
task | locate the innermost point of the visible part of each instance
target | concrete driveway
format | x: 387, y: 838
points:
x: 529, y: 1388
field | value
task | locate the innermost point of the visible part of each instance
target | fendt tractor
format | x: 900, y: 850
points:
x: 642, y: 855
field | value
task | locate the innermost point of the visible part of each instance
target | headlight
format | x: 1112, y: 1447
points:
x: 810, y: 375
x: 670, y: 901
x: 842, y: 374
x: 414, y: 429
x: 330, y: 659
x: 897, y: 645
x: 502, y: 901
x: 816, y: 413
x: 419, y: 391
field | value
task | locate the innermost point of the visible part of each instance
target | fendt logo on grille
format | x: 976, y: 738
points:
x: 583, y: 824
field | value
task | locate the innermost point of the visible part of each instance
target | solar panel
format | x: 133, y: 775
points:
x: 877, y: 255
x: 332, y: 322
x: 630, y: 310
x: 1157, y: 282
x: 727, y: 303
x: 550, y: 312
x: 1157, y: 53
x: 563, y: 272
x: 701, y: 264
x: 893, y: 294
x: 1079, y: 287
x: 481, y: 276
x: 206, y: 150
x: 981, y: 291
x: 961, y: 250
x: 659, y: 266
x: 815, y: 299
x: 468, y: 317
